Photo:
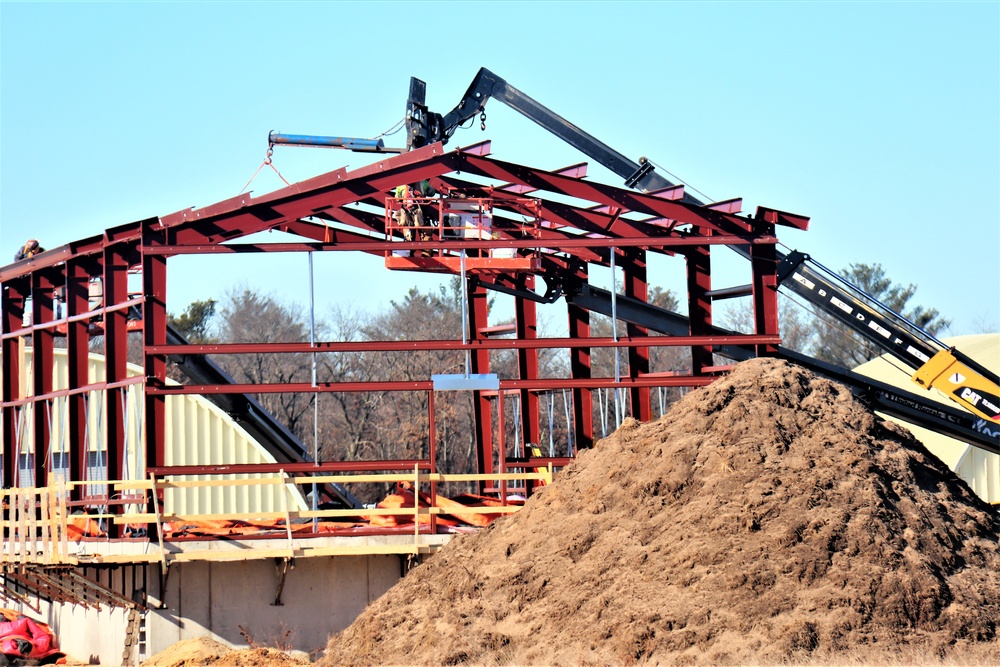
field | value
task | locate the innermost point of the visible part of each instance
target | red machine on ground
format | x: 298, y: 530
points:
x: 24, y: 641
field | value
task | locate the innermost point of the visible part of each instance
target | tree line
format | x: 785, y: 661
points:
x: 395, y: 425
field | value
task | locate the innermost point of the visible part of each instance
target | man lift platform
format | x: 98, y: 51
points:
x: 459, y: 222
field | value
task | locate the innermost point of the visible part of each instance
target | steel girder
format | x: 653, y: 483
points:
x: 582, y: 224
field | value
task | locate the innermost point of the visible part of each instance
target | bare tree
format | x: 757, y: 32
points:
x: 796, y: 326
x: 247, y: 316
x: 836, y: 344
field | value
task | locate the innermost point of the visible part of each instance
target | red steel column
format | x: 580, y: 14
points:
x: 154, y: 324
x: 77, y: 351
x: 699, y: 282
x: 42, y: 363
x: 14, y: 295
x: 764, y: 263
x: 432, y: 455
x: 115, y: 355
x: 478, y: 319
x: 636, y: 287
x: 527, y: 363
x: 579, y: 361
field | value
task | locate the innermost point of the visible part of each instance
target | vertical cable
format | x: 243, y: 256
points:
x: 569, y: 425
x: 465, y: 315
x: 312, y: 343
x: 614, y: 329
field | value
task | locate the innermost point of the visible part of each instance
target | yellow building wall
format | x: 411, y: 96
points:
x: 197, y: 433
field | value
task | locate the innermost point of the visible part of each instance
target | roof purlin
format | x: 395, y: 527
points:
x: 331, y: 190
x: 601, y: 193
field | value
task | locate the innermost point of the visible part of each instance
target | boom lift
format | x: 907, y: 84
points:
x: 962, y: 379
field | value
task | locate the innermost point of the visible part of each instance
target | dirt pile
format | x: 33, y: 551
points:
x: 204, y: 651
x: 768, y: 517
x: 189, y: 653
x: 259, y: 657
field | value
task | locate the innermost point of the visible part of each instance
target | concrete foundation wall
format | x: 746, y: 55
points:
x: 321, y: 595
x: 90, y: 636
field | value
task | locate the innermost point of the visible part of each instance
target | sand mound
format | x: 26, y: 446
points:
x: 189, y: 653
x: 205, y: 651
x: 258, y: 657
x: 768, y: 517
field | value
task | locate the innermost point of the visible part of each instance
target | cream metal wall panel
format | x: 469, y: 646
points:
x: 197, y: 433
x: 980, y: 469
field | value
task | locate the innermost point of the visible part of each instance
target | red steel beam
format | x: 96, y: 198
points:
x: 115, y: 355
x: 583, y: 402
x: 526, y: 320
x: 154, y: 315
x: 582, y: 233
x: 92, y: 315
x: 380, y: 246
x: 77, y: 351
x: 42, y: 365
x: 289, y: 467
x: 317, y: 195
x: 473, y: 344
x: 699, y: 284
x: 636, y: 287
x: 58, y: 393
x: 13, y: 293
x: 478, y: 314
x: 600, y: 193
x: 764, y: 265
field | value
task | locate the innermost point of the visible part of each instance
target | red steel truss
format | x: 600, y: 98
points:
x: 577, y: 224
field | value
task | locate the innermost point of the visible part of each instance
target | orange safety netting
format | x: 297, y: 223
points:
x: 403, y: 498
x: 82, y: 526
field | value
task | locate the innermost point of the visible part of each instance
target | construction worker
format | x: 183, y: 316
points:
x: 29, y: 249
x: 411, y: 211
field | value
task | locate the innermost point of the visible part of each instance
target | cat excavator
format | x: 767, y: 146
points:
x: 935, y: 365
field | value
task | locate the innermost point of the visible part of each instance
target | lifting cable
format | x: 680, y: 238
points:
x: 847, y: 334
x: 125, y: 439
x: 614, y: 328
x: 86, y: 441
x: 18, y: 437
x: 47, y: 454
x: 266, y: 163
x: 392, y: 130
x: 516, y: 405
x: 102, y: 453
x: 135, y: 472
x: 550, y: 405
x: 64, y: 437
x: 680, y: 180
x: 569, y: 426
x: 603, y: 410
x: 315, y: 397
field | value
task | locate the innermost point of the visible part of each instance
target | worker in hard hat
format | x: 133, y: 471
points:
x: 411, y: 210
x: 28, y: 250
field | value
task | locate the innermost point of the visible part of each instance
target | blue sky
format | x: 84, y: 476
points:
x: 878, y: 120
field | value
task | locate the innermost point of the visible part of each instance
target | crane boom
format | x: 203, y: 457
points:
x: 962, y: 379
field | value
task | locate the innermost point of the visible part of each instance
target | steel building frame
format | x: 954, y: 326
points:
x: 345, y: 211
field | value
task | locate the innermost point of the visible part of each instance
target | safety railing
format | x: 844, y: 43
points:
x: 35, y: 526
x: 38, y: 528
x: 443, y: 220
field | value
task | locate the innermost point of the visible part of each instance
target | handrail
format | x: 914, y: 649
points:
x: 34, y: 526
x: 36, y: 520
